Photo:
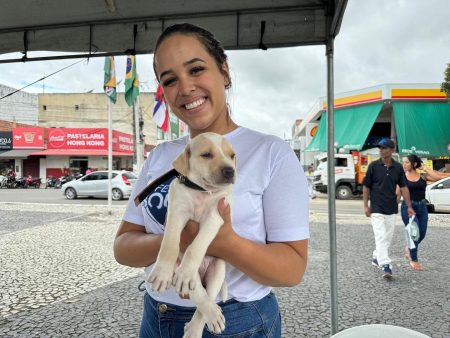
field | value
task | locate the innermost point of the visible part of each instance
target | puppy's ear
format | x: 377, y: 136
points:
x: 181, y: 163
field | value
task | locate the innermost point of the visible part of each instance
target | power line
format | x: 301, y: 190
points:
x: 43, y: 78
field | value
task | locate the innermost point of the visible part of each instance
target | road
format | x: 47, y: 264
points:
x: 318, y: 205
x: 49, y: 196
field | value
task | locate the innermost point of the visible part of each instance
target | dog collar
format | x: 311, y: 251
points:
x: 168, y: 175
x: 188, y: 183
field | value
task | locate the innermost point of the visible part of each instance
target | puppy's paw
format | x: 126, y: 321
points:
x: 193, y: 329
x: 161, y: 277
x: 214, y: 318
x: 185, y: 279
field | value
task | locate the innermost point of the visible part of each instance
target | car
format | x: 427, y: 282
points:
x: 437, y: 195
x: 95, y: 184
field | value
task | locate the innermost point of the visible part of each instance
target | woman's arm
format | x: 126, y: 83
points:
x: 431, y: 175
x: 134, y: 247
x: 273, y: 264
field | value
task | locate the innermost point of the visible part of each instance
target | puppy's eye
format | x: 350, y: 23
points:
x: 207, y: 155
x: 233, y: 156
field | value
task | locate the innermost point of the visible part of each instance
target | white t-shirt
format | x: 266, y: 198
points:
x: 270, y: 201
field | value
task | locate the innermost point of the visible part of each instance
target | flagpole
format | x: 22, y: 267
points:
x: 109, y: 157
x: 136, y: 138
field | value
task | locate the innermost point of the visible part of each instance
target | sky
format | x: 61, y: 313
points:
x: 380, y: 41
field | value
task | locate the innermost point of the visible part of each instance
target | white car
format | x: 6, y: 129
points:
x: 95, y: 184
x: 437, y: 195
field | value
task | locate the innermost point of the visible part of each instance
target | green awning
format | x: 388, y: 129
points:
x: 351, y: 127
x: 423, y: 128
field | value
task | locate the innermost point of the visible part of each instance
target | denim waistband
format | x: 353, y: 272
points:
x: 424, y: 201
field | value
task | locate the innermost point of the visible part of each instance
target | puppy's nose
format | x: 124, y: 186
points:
x: 228, y: 172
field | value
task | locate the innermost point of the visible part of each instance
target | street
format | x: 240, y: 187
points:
x: 49, y: 196
x: 54, y: 196
x: 60, y: 279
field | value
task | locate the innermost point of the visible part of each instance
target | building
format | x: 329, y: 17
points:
x: 81, y: 120
x: 21, y: 107
x: 416, y: 116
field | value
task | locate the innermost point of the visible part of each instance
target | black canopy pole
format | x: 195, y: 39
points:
x: 331, y: 183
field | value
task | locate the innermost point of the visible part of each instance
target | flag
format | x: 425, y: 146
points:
x: 110, y: 79
x: 160, y: 112
x: 131, y: 81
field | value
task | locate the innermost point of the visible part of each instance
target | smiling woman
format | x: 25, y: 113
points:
x: 264, y: 241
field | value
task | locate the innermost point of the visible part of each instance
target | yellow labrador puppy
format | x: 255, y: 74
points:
x: 207, y: 169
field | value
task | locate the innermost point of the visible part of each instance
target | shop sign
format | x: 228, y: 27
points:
x: 28, y: 138
x: 5, y: 140
x: 78, y: 138
x: 122, y: 142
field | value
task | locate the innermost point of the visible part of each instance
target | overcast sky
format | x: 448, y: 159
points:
x: 380, y: 41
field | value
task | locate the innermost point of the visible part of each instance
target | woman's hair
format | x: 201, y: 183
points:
x: 206, y: 38
x: 415, y: 161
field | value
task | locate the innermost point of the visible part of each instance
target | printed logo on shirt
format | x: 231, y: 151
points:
x: 155, y: 205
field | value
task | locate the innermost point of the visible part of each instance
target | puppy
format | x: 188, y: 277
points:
x: 207, y: 170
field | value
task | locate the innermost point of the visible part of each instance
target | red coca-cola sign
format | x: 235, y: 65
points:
x: 28, y: 138
x: 77, y: 138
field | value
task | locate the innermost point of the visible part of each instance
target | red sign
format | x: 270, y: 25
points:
x: 28, y: 138
x: 88, y: 139
x: 313, y: 131
x: 122, y: 142
x: 77, y: 138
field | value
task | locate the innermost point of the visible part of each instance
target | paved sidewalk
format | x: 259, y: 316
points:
x: 59, y: 278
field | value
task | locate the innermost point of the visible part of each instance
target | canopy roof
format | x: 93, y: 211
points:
x: 126, y: 26
x: 422, y: 128
x: 352, y: 126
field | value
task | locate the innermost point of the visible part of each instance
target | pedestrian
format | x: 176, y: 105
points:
x: 310, y: 178
x: 379, y: 186
x: 416, y: 183
x: 265, y: 240
x: 88, y: 171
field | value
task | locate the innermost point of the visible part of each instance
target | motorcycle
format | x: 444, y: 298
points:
x: 34, y: 182
x: 51, y: 182
x: 20, y: 182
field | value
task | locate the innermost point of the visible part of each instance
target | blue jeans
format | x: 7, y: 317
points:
x: 257, y: 319
x: 422, y: 220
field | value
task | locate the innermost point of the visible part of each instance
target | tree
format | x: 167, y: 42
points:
x: 445, y: 86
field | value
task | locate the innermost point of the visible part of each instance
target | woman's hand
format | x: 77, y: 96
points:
x: 223, y: 237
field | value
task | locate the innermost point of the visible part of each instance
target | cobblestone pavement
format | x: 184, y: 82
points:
x: 59, y: 278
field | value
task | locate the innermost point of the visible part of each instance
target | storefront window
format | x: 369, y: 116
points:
x: 78, y: 165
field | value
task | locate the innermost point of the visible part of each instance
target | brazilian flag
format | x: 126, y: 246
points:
x: 131, y: 81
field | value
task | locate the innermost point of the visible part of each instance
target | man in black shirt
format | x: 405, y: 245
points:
x: 379, y: 187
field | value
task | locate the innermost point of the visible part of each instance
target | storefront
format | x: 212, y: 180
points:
x: 23, y: 142
x: 73, y: 150
x: 5, y: 146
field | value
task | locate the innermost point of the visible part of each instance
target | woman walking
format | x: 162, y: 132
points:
x: 416, y: 183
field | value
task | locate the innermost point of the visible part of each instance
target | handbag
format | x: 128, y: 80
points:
x: 412, y: 233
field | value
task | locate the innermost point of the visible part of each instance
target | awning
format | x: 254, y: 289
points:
x: 79, y: 152
x: 423, y: 128
x: 351, y: 127
x: 121, y: 26
x: 17, y: 153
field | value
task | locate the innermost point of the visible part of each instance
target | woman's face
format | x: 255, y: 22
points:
x: 406, y: 164
x: 193, y: 85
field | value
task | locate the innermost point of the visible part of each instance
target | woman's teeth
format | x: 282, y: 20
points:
x: 194, y: 104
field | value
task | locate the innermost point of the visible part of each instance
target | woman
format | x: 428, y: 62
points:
x: 264, y: 242
x: 416, y: 183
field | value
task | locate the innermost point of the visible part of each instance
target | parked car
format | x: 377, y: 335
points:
x: 95, y: 184
x: 437, y: 195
